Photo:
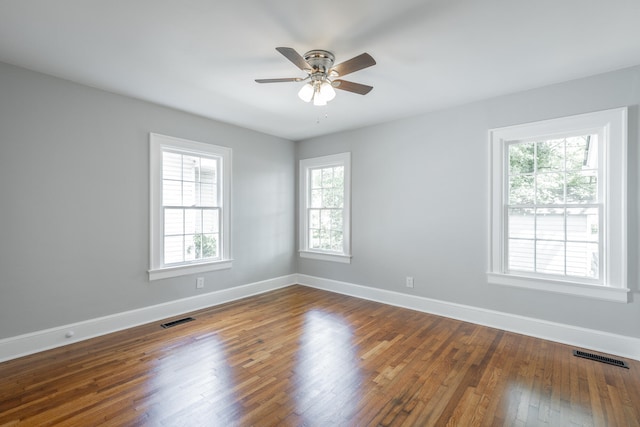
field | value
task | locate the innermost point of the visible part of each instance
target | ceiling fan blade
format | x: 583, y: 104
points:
x: 286, y: 79
x: 352, y: 87
x: 354, y: 64
x: 294, y: 57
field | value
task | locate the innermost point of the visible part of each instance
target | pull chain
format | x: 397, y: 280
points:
x: 326, y: 116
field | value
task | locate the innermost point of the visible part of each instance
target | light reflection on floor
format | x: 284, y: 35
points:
x: 327, y: 373
x: 544, y: 407
x: 194, y: 383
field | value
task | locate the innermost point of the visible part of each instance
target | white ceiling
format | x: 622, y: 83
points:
x: 202, y: 56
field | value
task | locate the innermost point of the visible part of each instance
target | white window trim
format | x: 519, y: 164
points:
x: 322, y: 256
x: 342, y: 159
x: 614, y: 174
x: 157, y: 270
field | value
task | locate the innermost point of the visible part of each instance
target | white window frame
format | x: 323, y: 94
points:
x: 306, y: 165
x: 159, y: 143
x: 612, y: 126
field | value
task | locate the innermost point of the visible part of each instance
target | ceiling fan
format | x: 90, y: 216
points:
x: 322, y: 74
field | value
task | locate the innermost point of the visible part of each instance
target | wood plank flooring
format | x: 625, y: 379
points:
x: 305, y: 357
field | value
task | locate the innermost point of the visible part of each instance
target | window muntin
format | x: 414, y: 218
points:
x: 325, y: 208
x: 552, y: 206
x: 190, y: 203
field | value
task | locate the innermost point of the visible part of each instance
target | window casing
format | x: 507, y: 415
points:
x: 190, y: 201
x: 558, y: 208
x: 325, y: 215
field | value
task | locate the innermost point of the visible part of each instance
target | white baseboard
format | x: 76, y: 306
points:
x: 604, y: 342
x: 22, y: 345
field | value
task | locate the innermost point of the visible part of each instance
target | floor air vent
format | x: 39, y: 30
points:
x: 599, y: 358
x: 177, y: 322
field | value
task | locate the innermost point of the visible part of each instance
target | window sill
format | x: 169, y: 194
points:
x: 183, y: 270
x: 345, y: 259
x: 600, y: 292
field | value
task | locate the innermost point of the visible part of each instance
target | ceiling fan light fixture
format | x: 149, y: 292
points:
x: 327, y: 91
x: 306, y: 92
x: 319, y: 100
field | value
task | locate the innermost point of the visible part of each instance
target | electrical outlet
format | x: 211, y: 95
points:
x: 200, y: 283
x: 409, y: 282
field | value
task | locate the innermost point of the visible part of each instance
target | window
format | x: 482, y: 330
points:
x: 325, y: 216
x: 559, y: 205
x: 190, y: 183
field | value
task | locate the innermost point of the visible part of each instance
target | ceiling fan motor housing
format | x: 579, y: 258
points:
x: 321, y: 62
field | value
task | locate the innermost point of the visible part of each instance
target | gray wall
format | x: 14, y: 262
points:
x: 74, y: 202
x: 420, y: 203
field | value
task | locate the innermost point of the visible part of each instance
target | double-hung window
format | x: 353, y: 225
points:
x: 190, y: 183
x: 325, y: 184
x: 559, y: 205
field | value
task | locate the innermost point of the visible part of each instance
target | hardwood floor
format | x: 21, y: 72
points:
x: 304, y: 357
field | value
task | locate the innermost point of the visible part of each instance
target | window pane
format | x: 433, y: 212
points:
x: 336, y: 219
x: 521, y: 158
x: 316, y: 198
x: 332, y: 198
x: 325, y: 240
x: 171, y: 193
x: 521, y: 255
x: 201, y: 246
x: 314, y: 218
x: 550, y: 155
x: 336, y: 240
x: 188, y: 194
x: 316, y: 178
x: 171, y: 166
x: 314, y: 238
x: 549, y: 257
x: 173, y: 222
x: 173, y: 249
x: 550, y: 188
x: 193, y: 221
x: 191, y: 248
x: 583, y: 224
x: 190, y: 166
x: 327, y: 198
x: 550, y: 224
x: 327, y: 177
x: 338, y: 177
x: 208, y: 244
x: 582, y: 152
x: 521, y: 223
x: 582, y: 259
x: 208, y: 169
x: 210, y: 221
x: 208, y: 195
x: 521, y: 190
x: 582, y: 187
x: 325, y: 219
x: 338, y: 198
